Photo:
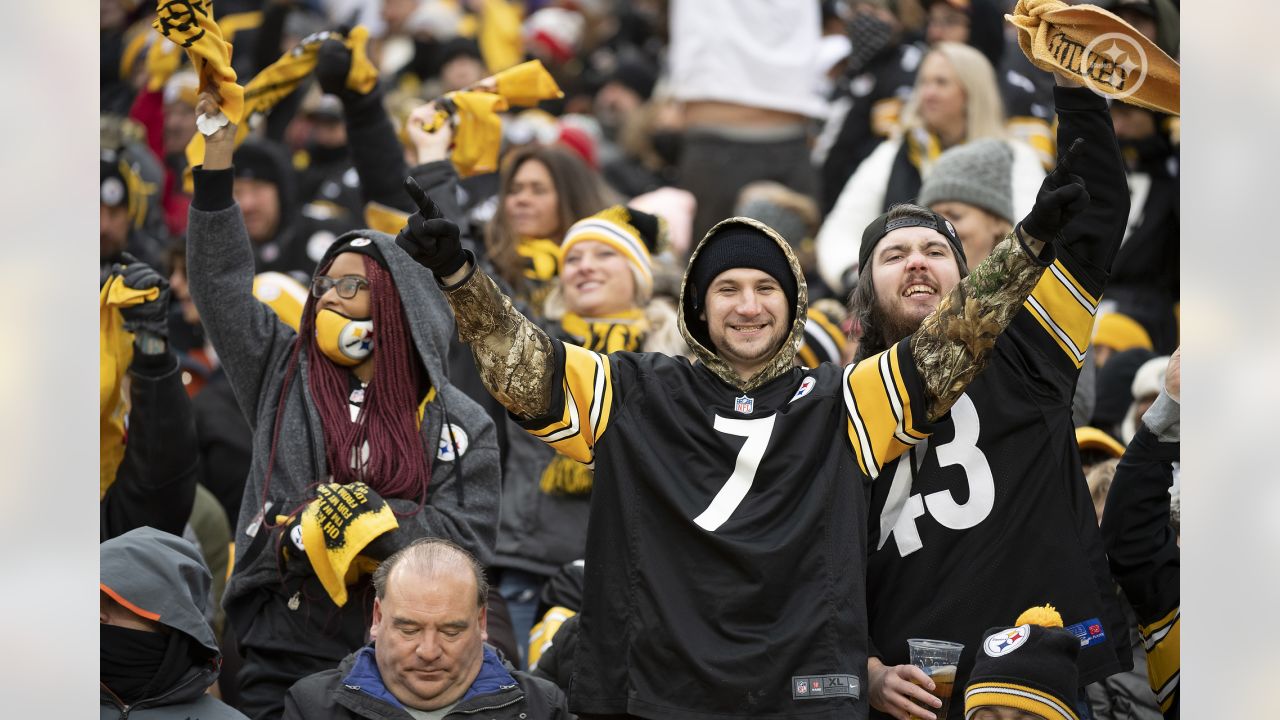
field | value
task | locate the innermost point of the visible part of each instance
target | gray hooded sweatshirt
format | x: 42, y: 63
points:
x: 162, y: 575
x: 254, y: 347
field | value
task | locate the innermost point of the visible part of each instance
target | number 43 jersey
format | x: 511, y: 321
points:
x: 726, y: 546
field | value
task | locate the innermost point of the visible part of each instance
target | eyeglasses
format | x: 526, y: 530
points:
x: 347, y: 286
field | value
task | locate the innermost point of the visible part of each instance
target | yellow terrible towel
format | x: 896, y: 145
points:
x: 115, y: 350
x: 280, y: 78
x: 190, y: 24
x: 336, y: 527
x: 1100, y: 49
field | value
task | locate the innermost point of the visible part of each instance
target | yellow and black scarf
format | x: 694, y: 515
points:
x: 620, y: 332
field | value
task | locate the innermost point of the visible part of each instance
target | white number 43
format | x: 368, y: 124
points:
x: 901, y: 509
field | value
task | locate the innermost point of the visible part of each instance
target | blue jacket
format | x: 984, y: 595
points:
x: 356, y: 690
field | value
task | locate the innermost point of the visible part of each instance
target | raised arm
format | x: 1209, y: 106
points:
x: 220, y: 266
x: 512, y: 354
x: 954, y: 342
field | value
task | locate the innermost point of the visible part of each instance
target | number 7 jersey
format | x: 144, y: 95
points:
x: 727, y: 540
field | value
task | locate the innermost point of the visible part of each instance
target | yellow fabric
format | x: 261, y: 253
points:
x: 191, y: 25
x: 923, y: 149
x: 878, y: 422
x: 542, y: 634
x: 588, y: 403
x: 1163, y: 642
x: 336, y: 527
x: 115, y: 351
x: 1056, y: 36
x: 619, y: 332
x: 280, y: 78
x: 1064, y: 309
x: 1042, y: 615
x: 132, y: 49
x: 384, y: 218
x: 282, y: 294
x: 565, y: 476
x: 236, y: 22
x: 1039, y: 135
x: 1091, y: 438
x: 543, y: 256
x: 478, y: 138
x: 1121, y: 332
x: 501, y: 43
x: 818, y: 322
x: 140, y: 193
x: 527, y: 83
x: 162, y: 61
x: 1018, y: 697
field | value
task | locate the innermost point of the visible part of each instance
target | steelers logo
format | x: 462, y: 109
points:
x: 1006, y: 641
x: 356, y: 339
x: 112, y: 191
x: 1121, y: 62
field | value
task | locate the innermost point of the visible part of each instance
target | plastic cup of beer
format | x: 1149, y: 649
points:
x: 938, y: 659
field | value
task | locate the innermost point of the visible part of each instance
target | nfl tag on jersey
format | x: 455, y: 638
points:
x: 806, y: 386
x: 1089, y: 631
x: 817, y: 687
x: 744, y: 405
x: 447, y: 452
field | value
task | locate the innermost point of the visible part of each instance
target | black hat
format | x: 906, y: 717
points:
x: 257, y: 161
x: 113, y: 189
x: 355, y: 242
x: 882, y: 226
x: 638, y: 76
x: 734, y: 245
x: 457, y: 47
x: 1029, y: 667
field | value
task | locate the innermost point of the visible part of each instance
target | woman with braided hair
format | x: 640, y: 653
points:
x: 360, y: 443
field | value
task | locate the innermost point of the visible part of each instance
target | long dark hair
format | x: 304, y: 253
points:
x: 877, y: 329
x: 397, y: 465
x: 579, y: 192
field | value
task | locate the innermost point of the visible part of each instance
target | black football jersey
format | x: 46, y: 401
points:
x: 991, y: 514
x: 724, y: 565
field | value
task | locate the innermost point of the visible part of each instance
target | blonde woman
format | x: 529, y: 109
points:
x: 955, y: 100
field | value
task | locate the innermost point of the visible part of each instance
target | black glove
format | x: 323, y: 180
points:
x: 1062, y: 196
x: 333, y: 63
x: 151, y: 316
x: 429, y: 238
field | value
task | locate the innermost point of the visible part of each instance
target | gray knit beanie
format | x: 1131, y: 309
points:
x: 978, y: 173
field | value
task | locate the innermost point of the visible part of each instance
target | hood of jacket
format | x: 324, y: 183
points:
x: 784, y: 357
x: 162, y: 577
x: 431, y: 321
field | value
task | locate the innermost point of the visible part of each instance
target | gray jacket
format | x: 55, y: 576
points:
x: 163, y: 574
x: 254, y: 347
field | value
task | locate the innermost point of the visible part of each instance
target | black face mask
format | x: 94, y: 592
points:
x: 668, y: 144
x: 869, y: 36
x: 136, y: 664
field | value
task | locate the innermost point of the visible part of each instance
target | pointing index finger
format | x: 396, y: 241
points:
x: 420, y: 198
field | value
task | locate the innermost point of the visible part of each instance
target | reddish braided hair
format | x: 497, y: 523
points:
x: 397, y: 465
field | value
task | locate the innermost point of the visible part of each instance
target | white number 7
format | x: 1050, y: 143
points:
x: 757, y: 433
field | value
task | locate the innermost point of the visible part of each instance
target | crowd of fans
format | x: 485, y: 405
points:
x: 306, y: 469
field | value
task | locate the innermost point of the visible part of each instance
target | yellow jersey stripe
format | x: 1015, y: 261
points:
x: 906, y: 431
x: 875, y: 406
x: 1163, y: 641
x: 588, y: 396
x: 1064, y: 310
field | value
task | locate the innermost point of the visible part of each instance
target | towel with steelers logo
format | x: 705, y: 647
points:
x: 337, y: 526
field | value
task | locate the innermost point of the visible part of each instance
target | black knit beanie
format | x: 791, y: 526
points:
x: 736, y: 245
x: 255, y: 161
x: 882, y: 226
x: 356, y: 243
x: 1031, y: 667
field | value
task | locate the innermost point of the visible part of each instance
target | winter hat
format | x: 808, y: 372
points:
x: 1029, y: 667
x: 824, y: 341
x: 637, y: 76
x: 1114, y: 379
x: 1120, y: 332
x: 556, y: 32
x: 1093, y: 439
x: 733, y: 244
x: 457, y: 47
x: 254, y: 160
x: 356, y: 243
x: 1148, y: 381
x: 882, y: 226
x: 113, y: 189
x: 617, y: 227
x: 978, y: 173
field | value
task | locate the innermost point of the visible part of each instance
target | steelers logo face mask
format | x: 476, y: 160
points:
x: 343, y: 340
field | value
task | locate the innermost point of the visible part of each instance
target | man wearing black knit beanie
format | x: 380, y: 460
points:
x: 728, y: 517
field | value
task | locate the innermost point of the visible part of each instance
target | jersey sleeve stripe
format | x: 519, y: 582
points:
x: 875, y: 407
x: 858, y: 432
x: 1065, y: 310
x: 1163, y: 641
x: 588, y: 392
x: 906, y: 431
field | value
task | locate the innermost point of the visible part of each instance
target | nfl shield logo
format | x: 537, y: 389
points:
x: 801, y: 688
x: 743, y: 404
